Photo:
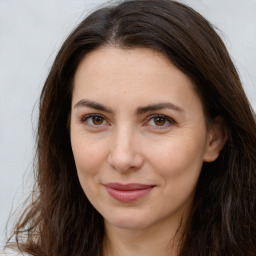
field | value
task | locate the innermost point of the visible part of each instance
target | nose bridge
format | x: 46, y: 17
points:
x: 124, y: 138
x: 124, y: 153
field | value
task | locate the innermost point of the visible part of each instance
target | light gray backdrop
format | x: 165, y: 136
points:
x: 31, y: 32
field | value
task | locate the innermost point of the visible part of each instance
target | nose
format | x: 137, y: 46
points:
x: 124, y: 152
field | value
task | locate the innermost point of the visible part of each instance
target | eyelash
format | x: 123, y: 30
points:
x: 85, y: 119
x: 167, y: 121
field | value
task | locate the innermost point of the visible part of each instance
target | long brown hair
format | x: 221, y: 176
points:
x: 61, y: 221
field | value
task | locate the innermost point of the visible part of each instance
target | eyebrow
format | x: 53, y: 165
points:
x: 94, y: 105
x: 159, y: 106
x: 139, y: 110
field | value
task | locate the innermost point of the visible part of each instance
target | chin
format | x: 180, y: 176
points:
x: 128, y: 220
x: 128, y: 224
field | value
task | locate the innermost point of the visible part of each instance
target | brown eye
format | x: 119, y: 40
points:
x: 97, y: 120
x: 159, y: 121
x: 94, y: 120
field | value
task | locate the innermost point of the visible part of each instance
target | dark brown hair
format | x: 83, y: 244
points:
x: 60, y: 220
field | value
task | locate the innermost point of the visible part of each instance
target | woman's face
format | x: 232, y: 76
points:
x: 138, y: 136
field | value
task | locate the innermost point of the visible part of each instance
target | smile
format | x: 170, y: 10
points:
x: 128, y: 192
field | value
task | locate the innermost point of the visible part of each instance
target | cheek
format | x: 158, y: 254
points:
x: 89, y: 158
x: 178, y: 154
x: 87, y: 152
x: 178, y: 161
x: 179, y: 166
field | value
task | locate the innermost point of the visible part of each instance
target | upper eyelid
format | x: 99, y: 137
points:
x: 170, y: 119
x: 92, y: 115
x: 85, y: 117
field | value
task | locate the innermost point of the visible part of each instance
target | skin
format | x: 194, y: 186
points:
x: 124, y: 145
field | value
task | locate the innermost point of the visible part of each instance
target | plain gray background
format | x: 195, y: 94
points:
x: 31, y: 32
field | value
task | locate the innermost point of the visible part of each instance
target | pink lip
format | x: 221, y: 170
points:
x: 128, y: 192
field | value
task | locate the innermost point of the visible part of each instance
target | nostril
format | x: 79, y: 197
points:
x: 124, y: 153
x: 123, y: 161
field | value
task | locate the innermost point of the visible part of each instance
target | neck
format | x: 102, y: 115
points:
x: 155, y: 240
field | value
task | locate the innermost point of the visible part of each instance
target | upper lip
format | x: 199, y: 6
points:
x: 127, y: 187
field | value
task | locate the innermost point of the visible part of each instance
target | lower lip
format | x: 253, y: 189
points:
x: 126, y: 196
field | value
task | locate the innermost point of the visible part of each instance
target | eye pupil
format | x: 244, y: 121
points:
x: 97, y: 120
x: 159, y: 121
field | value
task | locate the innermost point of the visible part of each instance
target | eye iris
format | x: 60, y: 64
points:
x: 97, y: 120
x: 159, y: 121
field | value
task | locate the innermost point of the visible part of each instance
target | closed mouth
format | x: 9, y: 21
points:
x: 128, y: 192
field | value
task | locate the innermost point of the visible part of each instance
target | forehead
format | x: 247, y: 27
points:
x: 133, y: 61
x: 139, y: 74
x: 133, y: 64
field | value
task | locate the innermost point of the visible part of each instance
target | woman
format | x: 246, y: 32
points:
x: 146, y: 141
